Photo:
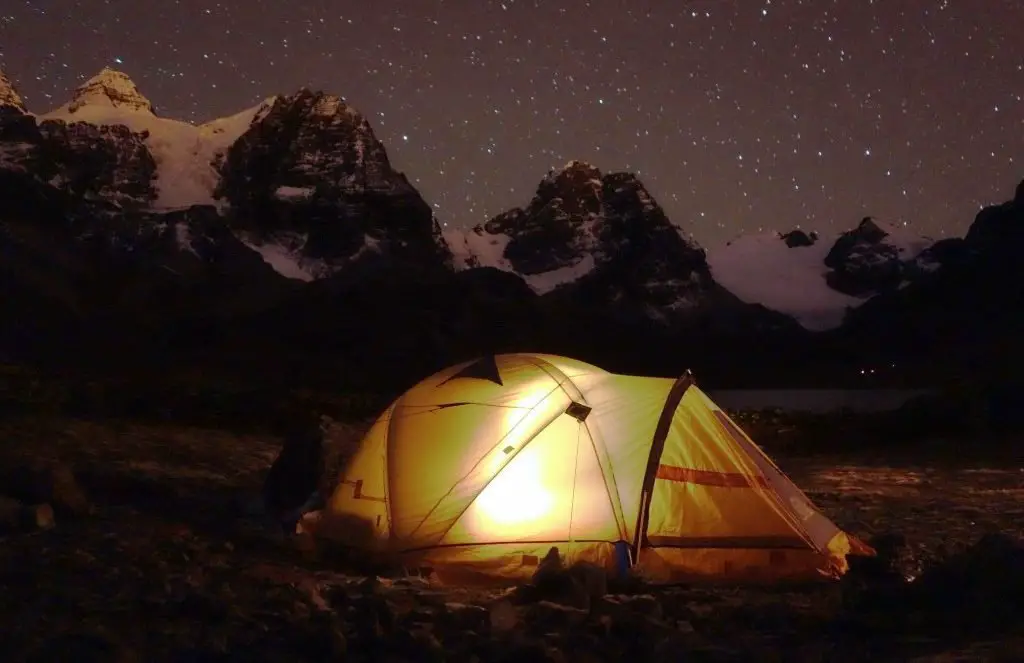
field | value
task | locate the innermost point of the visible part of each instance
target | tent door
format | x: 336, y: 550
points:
x: 668, y: 412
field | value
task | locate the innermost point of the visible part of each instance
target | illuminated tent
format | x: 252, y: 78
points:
x: 479, y: 469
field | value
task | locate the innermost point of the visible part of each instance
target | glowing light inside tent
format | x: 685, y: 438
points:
x: 517, y: 495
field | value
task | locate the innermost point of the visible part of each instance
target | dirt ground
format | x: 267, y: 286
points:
x: 167, y: 569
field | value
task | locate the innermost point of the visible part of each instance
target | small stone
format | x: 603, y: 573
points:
x: 18, y: 517
x: 54, y: 484
x: 40, y: 516
x: 503, y: 616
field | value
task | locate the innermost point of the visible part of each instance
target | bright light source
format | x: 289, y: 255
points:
x: 517, y: 497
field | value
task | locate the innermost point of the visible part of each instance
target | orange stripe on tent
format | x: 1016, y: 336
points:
x: 709, y: 477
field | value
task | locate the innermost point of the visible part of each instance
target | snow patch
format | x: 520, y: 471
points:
x: 183, y: 235
x: 547, y: 281
x: 285, y: 260
x: 284, y: 253
x: 478, y: 248
x: 762, y: 269
x: 294, y: 192
x: 908, y: 244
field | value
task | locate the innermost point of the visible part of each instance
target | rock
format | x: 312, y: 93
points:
x: 870, y: 259
x: 9, y: 97
x: 585, y: 227
x: 110, y: 164
x: 454, y: 618
x: 575, y: 586
x: 328, y: 641
x: 549, y: 569
x: 417, y: 644
x: 980, y: 587
x: 311, y: 178
x: 40, y: 516
x: 548, y: 616
x: 372, y: 618
x: 591, y: 577
x: 52, y: 483
x: 18, y: 517
x: 64, y: 491
x: 503, y: 616
x: 798, y: 238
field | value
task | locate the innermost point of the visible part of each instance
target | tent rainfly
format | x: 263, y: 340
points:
x: 478, y: 470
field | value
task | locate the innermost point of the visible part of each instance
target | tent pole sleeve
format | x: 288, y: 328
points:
x: 668, y: 412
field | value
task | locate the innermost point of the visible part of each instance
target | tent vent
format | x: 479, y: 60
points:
x: 507, y: 450
x: 530, y: 560
x: 484, y: 368
x: 578, y: 411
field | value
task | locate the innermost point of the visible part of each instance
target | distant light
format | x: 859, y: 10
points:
x: 118, y: 61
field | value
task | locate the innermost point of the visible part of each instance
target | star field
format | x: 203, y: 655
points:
x: 738, y: 115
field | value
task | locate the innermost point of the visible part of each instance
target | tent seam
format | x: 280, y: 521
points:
x: 785, y: 508
x: 475, y: 465
x: 614, y: 498
x: 496, y: 473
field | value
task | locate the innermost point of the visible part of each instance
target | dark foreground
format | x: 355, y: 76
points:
x: 165, y: 568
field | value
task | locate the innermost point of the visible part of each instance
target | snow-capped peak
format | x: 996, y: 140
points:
x: 328, y: 106
x: 907, y: 242
x: 185, y: 154
x: 576, y: 181
x: 8, y: 95
x: 576, y: 164
x: 110, y: 88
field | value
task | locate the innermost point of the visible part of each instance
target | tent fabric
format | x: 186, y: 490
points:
x: 479, y: 469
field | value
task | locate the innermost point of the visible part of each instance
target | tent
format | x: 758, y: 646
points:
x: 478, y: 470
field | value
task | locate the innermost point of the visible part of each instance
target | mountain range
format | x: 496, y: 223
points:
x: 281, y: 241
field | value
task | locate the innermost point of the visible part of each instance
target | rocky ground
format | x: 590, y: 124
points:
x: 155, y: 560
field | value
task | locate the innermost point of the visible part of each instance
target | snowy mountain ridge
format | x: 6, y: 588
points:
x: 796, y: 273
x: 299, y: 179
x: 814, y: 278
x: 185, y: 153
x: 568, y: 219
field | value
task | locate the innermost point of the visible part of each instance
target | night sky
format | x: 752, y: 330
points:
x: 738, y: 115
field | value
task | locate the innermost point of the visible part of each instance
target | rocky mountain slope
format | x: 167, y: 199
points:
x: 966, y: 318
x: 138, y: 220
x: 284, y: 229
x: 602, y: 238
x: 310, y: 181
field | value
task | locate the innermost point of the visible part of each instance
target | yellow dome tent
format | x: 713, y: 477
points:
x: 478, y: 470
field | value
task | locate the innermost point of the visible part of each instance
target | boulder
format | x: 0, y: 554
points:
x: 46, y: 482
x: 18, y: 517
